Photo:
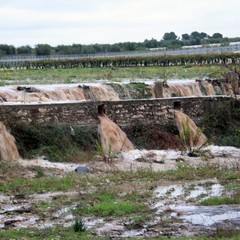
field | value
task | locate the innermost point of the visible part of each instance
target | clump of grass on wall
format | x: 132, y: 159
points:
x: 139, y: 90
x: 55, y: 141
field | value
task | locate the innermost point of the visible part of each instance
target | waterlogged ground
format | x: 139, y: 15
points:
x: 176, y: 207
x: 171, y: 208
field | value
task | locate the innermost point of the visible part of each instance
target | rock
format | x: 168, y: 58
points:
x: 161, y: 161
x: 20, y: 88
x: 82, y: 169
x: 31, y: 89
x: 141, y: 159
x: 27, y: 89
x: 25, y: 209
x: 150, y: 160
x: 3, y: 99
x: 11, y: 223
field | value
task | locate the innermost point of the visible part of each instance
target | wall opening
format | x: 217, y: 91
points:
x: 101, y: 109
x: 177, y: 105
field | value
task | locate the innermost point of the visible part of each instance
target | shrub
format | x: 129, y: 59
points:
x: 222, y: 124
x: 154, y: 136
x: 53, y: 140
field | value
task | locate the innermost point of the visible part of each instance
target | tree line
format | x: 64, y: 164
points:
x: 169, y: 41
x: 130, y: 61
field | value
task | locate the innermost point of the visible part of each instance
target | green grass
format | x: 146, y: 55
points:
x: 12, y: 175
x: 38, y: 185
x: 46, y: 234
x: 44, y: 76
x: 106, y: 204
x: 213, y: 201
x: 69, y: 233
x: 112, y: 208
x: 233, y: 198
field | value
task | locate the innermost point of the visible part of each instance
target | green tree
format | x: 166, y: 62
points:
x: 195, y: 35
x: 170, y: 36
x: 63, y: 49
x: 24, y: 50
x: 43, y: 49
x: 185, y: 36
x: 203, y: 35
x: 77, y: 49
x: 130, y: 46
x: 153, y: 43
x: 217, y: 35
x: 7, y: 49
x: 114, y: 48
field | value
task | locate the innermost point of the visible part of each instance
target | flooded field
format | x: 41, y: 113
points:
x: 177, y: 211
x: 178, y: 208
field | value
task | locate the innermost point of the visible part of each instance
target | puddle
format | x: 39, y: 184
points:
x: 133, y: 233
x: 200, y: 190
x: 65, y: 212
x: 170, y: 192
x: 182, y: 202
x: 208, y: 216
x: 177, y: 202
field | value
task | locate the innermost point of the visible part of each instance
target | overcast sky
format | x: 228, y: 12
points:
x: 56, y: 22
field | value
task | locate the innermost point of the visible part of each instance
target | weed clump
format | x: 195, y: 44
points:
x: 79, y: 226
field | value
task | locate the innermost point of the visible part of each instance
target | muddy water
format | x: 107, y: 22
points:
x: 104, y: 90
x: 188, y: 130
x: 113, y: 139
x: 8, y: 148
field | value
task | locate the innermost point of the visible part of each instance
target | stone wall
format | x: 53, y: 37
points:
x: 124, y: 112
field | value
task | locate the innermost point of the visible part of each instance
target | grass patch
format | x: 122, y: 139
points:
x: 11, y: 174
x: 106, y: 204
x: 112, y: 208
x: 9, y: 170
x: 46, y: 76
x: 69, y: 233
x: 213, y: 201
x: 47, y: 234
x: 139, y: 90
x: 187, y: 172
x: 233, y: 198
x: 183, y: 172
x: 38, y: 185
x: 228, y: 233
